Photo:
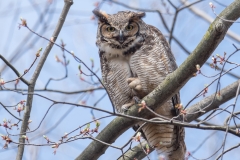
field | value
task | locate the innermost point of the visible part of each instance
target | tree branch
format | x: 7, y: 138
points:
x: 136, y: 152
x: 14, y: 70
x: 208, y: 63
x: 210, y: 103
x: 31, y: 87
x: 55, y: 91
x: 236, y: 146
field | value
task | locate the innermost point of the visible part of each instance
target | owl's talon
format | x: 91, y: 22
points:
x: 134, y: 83
x: 125, y: 107
x: 136, y: 100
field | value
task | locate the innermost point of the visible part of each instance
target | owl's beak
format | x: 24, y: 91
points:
x: 121, y: 37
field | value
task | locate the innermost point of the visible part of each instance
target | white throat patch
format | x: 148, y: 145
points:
x: 111, y: 53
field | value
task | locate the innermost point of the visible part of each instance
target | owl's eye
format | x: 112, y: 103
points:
x: 110, y: 29
x: 129, y: 27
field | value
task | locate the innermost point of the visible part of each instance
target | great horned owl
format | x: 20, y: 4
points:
x: 135, y: 58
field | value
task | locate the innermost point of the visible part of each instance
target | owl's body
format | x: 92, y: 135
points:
x: 129, y: 48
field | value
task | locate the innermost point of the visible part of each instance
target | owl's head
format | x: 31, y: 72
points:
x: 119, y: 30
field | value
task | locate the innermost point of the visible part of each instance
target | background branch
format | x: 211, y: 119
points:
x: 38, y: 69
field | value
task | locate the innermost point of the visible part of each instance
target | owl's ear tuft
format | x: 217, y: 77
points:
x: 138, y: 14
x: 101, y: 15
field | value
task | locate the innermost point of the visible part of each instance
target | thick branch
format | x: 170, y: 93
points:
x: 136, y: 152
x: 208, y: 63
x: 170, y: 85
x: 31, y: 87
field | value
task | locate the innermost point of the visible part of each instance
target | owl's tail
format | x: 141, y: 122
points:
x: 177, y: 150
x: 168, y: 140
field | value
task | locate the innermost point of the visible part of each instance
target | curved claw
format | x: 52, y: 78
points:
x: 125, y: 107
x: 135, y: 100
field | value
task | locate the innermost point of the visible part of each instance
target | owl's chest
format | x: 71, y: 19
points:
x: 115, y: 65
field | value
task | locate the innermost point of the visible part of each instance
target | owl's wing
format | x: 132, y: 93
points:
x: 115, y: 73
x: 151, y: 64
x: 153, y: 61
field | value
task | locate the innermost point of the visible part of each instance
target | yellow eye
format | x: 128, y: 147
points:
x: 129, y: 27
x: 110, y: 29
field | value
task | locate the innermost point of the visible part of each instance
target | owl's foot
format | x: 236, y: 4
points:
x: 135, y: 100
x: 134, y: 83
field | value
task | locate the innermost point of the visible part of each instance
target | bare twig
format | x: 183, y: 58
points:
x: 57, y: 91
x: 14, y: 70
x: 236, y: 146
